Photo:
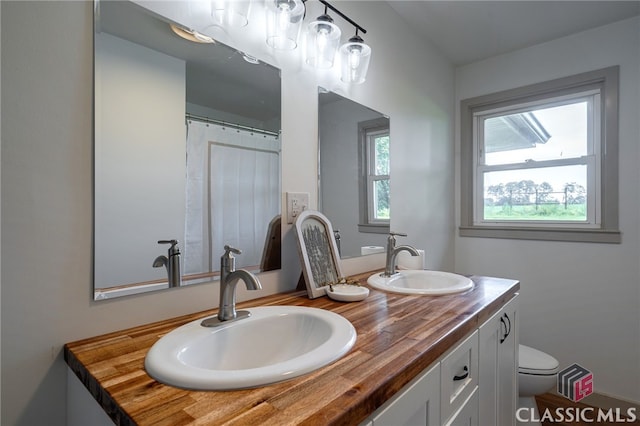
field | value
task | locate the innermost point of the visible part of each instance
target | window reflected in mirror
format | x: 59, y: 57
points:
x: 354, y: 173
x: 375, y: 161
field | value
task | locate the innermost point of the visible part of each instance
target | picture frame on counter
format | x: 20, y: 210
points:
x: 318, y: 252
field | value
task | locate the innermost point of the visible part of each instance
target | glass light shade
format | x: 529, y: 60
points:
x: 284, y: 19
x: 230, y: 13
x: 323, y: 39
x: 355, y: 56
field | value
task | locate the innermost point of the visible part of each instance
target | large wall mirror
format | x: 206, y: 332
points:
x: 186, y: 148
x: 353, y: 185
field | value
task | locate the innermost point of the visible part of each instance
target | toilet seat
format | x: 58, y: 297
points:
x: 535, y: 362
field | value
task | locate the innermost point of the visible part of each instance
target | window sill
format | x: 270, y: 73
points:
x: 544, y: 234
x: 374, y: 229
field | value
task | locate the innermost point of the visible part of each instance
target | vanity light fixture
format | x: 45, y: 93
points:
x: 231, y: 13
x: 323, y: 39
x: 323, y: 44
x: 355, y: 55
x: 190, y: 35
x: 284, y: 19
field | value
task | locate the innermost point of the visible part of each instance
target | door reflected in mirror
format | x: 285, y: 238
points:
x: 186, y: 147
x: 353, y: 186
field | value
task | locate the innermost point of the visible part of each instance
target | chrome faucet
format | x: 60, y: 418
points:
x: 171, y: 262
x: 229, y: 278
x: 392, y: 253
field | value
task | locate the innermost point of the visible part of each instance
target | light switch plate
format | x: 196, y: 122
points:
x: 297, y: 202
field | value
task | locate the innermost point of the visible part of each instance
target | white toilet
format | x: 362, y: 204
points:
x: 537, y: 373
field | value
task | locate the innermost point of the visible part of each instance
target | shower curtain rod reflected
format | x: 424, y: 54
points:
x: 231, y: 125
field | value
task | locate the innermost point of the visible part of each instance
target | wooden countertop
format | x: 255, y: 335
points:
x: 398, y: 337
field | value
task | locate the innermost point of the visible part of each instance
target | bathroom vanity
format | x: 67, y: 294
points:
x: 443, y: 360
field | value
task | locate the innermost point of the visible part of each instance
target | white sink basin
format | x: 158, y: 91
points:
x: 275, y: 343
x: 421, y: 282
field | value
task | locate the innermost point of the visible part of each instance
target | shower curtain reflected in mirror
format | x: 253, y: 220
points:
x: 233, y: 194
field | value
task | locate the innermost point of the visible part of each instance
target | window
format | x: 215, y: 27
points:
x: 540, y: 162
x: 374, y: 155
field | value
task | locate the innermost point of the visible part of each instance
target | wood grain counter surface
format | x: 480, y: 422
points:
x: 398, y: 337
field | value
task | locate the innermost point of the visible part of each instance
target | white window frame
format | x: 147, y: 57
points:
x: 600, y: 88
x: 591, y: 160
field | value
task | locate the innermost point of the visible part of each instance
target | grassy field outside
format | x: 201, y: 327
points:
x: 550, y: 212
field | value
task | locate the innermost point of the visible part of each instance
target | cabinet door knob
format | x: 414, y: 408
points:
x: 463, y: 376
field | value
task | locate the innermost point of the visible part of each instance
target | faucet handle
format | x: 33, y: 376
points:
x: 227, y: 261
x: 391, y: 240
x: 174, y: 246
x: 228, y: 250
x: 398, y: 234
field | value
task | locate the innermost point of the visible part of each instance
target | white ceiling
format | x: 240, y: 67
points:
x: 468, y: 31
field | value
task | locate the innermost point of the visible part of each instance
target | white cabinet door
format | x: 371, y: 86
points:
x: 508, y: 348
x: 417, y: 404
x: 489, y: 334
x: 498, y: 359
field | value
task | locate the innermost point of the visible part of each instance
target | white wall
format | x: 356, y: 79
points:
x: 47, y: 190
x: 581, y: 302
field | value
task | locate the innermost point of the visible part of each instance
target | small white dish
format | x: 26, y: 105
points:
x: 347, y: 292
